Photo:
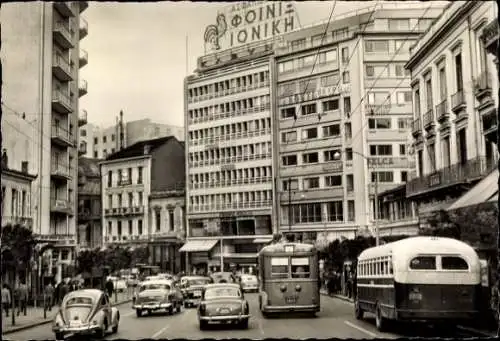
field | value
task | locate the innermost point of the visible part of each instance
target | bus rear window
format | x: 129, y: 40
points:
x: 300, y: 267
x: 423, y: 263
x: 279, y: 267
x: 453, y: 263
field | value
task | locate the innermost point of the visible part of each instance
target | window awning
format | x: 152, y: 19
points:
x: 480, y: 193
x: 202, y: 245
x: 262, y: 240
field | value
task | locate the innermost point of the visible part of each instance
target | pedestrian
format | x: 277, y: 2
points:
x: 63, y: 290
x: 6, y: 299
x: 109, y: 287
x: 22, y: 298
x: 49, y: 296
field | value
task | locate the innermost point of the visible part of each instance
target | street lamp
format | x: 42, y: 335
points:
x: 337, y: 155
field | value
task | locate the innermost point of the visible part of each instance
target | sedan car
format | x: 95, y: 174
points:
x: 192, y: 287
x: 158, y: 295
x: 85, y: 312
x: 223, y: 277
x: 223, y: 303
x: 249, y: 283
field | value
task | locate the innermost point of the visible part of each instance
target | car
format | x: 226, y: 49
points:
x: 158, y: 295
x: 119, y: 284
x: 191, y: 288
x: 223, y: 303
x: 249, y: 283
x: 223, y: 277
x: 85, y: 312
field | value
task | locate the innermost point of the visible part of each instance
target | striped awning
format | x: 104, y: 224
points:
x: 202, y: 245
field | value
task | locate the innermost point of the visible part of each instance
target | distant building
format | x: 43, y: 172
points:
x: 89, y: 203
x: 97, y: 142
x: 128, y: 178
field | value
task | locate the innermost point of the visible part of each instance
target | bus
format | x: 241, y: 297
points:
x: 431, y: 279
x: 288, y: 278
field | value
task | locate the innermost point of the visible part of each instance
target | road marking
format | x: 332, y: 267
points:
x: 158, y: 333
x: 361, y: 329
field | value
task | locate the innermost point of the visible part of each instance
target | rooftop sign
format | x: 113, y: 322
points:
x: 247, y: 22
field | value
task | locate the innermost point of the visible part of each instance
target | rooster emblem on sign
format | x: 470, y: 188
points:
x: 214, y: 32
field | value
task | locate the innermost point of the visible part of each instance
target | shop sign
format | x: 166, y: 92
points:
x: 247, y: 22
x: 380, y: 161
x: 313, y: 95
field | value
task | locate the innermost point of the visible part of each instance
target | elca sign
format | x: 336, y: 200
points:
x: 247, y: 22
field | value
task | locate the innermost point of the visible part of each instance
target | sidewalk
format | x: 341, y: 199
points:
x: 34, y: 316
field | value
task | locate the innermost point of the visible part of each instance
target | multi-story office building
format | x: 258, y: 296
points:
x: 343, y: 117
x: 89, y: 203
x: 128, y: 178
x: 97, y: 142
x: 229, y: 157
x: 41, y: 59
x: 455, y: 98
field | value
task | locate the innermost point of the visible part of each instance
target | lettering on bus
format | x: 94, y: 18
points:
x: 249, y: 22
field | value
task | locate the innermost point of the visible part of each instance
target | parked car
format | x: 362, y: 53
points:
x: 119, y: 284
x: 191, y: 287
x: 158, y: 295
x: 249, y: 283
x: 223, y: 277
x: 85, y: 312
x: 223, y: 303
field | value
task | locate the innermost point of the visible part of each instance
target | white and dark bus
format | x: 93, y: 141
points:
x: 429, y: 279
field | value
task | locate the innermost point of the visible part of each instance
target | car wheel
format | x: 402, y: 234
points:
x: 138, y: 312
x: 244, y: 324
x: 171, y: 310
x: 59, y: 336
x: 203, y: 325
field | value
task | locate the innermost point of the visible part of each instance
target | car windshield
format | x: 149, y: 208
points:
x: 79, y: 301
x: 155, y: 286
x: 212, y: 293
x: 198, y: 281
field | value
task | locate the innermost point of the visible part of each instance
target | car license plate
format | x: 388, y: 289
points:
x: 224, y: 311
x: 415, y: 296
x: 290, y: 299
x: 197, y: 294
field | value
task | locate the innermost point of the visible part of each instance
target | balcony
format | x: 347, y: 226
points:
x: 458, y: 101
x: 61, y: 102
x: 86, y: 214
x: 83, y: 5
x: 82, y: 148
x: 59, y: 239
x: 124, y: 211
x: 83, y: 58
x: 63, y: 206
x: 473, y: 169
x: 62, y: 35
x: 230, y: 182
x: 429, y: 119
x: 483, y: 86
x: 65, y: 8
x: 490, y: 37
x: 442, y: 112
x: 60, y: 171
x: 82, y: 88
x: 61, y: 68
x: 265, y: 204
x: 16, y: 220
x: 82, y: 118
x: 416, y: 127
x: 490, y: 125
x: 83, y: 28
x: 61, y: 136
x: 124, y: 182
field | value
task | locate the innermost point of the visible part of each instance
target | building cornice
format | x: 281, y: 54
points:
x: 19, y: 175
x: 439, y: 34
x: 126, y: 159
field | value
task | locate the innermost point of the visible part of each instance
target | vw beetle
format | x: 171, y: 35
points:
x: 85, y: 312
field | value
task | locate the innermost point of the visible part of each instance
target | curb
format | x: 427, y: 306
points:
x: 341, y: 297
x: 41, y: 323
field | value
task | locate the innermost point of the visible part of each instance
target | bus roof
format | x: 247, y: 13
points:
x: 419, y: 245
x: 280, y: 247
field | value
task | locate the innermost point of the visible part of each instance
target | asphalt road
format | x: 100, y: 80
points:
x: 336, y: 319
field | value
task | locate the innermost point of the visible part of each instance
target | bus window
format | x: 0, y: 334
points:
x: 453, y: 263
x: 423, y: 263
x: 300, y: 267
x: 382, y: 268
x: 390, y: 267
x: 279, y: 267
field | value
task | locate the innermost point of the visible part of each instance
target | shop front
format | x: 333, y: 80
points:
x: 196, y: 253
x: 166, y: 255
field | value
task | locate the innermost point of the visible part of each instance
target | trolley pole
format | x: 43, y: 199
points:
x: 377, y: 232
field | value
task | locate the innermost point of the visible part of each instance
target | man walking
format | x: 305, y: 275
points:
x: 6, y: 299
x: 22, y: 295
x: 49, y: 296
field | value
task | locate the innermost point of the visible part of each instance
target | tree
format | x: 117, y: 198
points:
x: 139, y: 255
x: 17, y: 247
x: 87, y: 260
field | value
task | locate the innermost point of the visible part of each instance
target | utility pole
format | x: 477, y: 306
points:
x: 377, y: 232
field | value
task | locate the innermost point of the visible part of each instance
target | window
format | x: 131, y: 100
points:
x: 285, y: 66
x: 119, y: 228
x: 316, y: 40
x: 428, y: 93
x: 331, y: 105
x: 110, y: 178
x: 294, y: 185
x: 424, y: 24
x: 335, y: 211
x: 139, y: 175
x: 400, y: 71
x: 350, y: 182
x: 402, y: 149
x: 279, y: 267
x: 399, y: 24
x: 300, y: 267
x: 378, y: 98
x: 140, y: 199
x: 139, y: 226
x: 442, y: 83
x: 83, y: 133
x: 298, y: 44
x: 403, y: 46
x: 328, y: 57
x: 308, y: 213
x: 130, y: 175
x: 345, y: 77
x: 104, y: 153
x: 403, y: 97
x: 130, y: 199
x: 348, y: 154
x: 345, y: 54
x: 310, y: 133
x: 376, y: 71
x: 404, y: 176
x: 130, y: 229
x: 377, y: 46
x: 112, y: 137
x: 289, y: 160
x: 404, y: 123
x: 309, y: 109
x: 305, y: 61
x: 112, y: 150
x: 446, y: 155
x: 351, y: 211
x: 416, y: 95
x: 340, y: 33
x: 331, y: 130
x: 104, y: 139
x: 95, y: 154
x: 96, y: 141
x: 333, y: 180
x: 381, y: 150
x: 423, y: 263
x: 379, y: 123
x: 453, y: 263
x: 289, y: 136
x: 287, y: 89
x: 311, y: 183
x: 347, y: 106
x: 310, y: 158
x: 329, y: 80
x: 110, y: 201
x: 331, y: 155
x: 110, y: 227
x: 383, y: 176
x: 158, y: 220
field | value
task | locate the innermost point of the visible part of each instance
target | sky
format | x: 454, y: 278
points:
x: 137, y: 54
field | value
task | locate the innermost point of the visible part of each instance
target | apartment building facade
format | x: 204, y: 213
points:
x: 44, y: 86
x: 455, y: 98
x: 343, y: 119
x: 127, y: 179
x: 89, y: 204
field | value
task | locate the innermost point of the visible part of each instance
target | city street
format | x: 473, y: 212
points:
x: 336, y: 319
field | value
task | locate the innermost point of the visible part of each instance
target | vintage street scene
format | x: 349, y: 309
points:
x: 256, y: 170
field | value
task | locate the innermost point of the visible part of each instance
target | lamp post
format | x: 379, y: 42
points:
x: 377, y: 232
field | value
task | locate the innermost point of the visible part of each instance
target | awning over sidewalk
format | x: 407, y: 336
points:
x: 202, y: 245
x: 482, y: 192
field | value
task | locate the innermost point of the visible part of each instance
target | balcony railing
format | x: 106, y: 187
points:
x: 442, y: 111
x: 83, y: 58
x: 230, y: 137
x: 229, y: 160
x: 82, y: 118
x: 61, y: 102
x: 490, y: 34
x: 458, y: 173
x: 119, y: 211
x: 62, y: 35
x: 483, y: 85
x: 67, y: 238
x: 61, y: 205
x: 82, y: 88
x: 124, y: 182
x: 61, y: 67
x: 230, y: 114
x: 227, y: 92
x: 60, y: 170
x: 416, y: 127
x: 230, y: 206
x: 83, y: 28
x: 429, y: 118
x: 232, y: 182
x: 457, y: 100
x: 61, y: 135
x: 14, y: 220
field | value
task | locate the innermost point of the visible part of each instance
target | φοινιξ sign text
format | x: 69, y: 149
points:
x: 247, y: 22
